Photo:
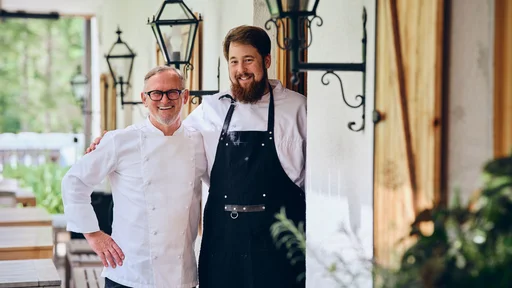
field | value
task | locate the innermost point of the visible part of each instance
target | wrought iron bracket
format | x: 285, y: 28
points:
x: 197, y: 95
x: 122, y: 93
x: 294, y: 40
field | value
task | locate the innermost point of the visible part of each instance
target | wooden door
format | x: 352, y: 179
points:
x: 408, y: 139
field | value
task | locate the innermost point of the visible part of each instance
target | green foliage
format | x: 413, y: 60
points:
x: 470, y: 246
x: 292, y: 237
x: 286, y: 233
x: 44, y: 180
x: 37, y: 61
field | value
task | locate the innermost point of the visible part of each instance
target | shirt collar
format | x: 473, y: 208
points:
x: 153, y: 130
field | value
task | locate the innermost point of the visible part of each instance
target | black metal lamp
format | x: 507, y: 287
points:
x: 120, y: 62
x: 175, y: 28
x: 300, y: 14
x: 79, y: 84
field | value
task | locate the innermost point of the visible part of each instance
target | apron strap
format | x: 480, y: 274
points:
x: 270, y: 122
x: 229, y: 115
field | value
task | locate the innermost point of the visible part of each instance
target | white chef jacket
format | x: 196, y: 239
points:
x: 156, y: 189
x: 289, y: 125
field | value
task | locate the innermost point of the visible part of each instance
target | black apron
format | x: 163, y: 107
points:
x: 248, y: 187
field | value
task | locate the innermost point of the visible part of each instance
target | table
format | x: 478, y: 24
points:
x: 29, y: 273
x: 25, y: 197
x: 29, y: 242
x: 27, y: 216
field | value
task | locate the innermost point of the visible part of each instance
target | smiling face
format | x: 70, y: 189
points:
x: 247, y: 72
x: 164, y: 112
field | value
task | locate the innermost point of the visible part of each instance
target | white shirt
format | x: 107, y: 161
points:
x: 289, y: 125
x: 156, y: 189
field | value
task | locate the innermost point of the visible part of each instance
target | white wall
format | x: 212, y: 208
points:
x: 339, y: 161
x: 470, y: 103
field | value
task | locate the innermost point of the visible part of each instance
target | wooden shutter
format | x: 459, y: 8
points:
x: 503, y: 78
x: 408, y: 139
x: 108, y: 103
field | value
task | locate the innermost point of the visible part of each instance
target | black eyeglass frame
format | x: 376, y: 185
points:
x: 180, y: 91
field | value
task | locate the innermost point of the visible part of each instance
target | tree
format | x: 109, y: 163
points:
x: 37, y: 60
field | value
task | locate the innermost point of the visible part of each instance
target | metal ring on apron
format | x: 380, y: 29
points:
x: 234, y: 215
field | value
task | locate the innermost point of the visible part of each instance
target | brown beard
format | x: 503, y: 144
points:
x: 251, y: 94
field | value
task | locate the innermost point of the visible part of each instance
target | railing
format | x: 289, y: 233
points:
x: 28, y: 157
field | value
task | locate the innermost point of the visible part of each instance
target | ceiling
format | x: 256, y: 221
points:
x: 63, y: 7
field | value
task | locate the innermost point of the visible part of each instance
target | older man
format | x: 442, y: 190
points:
x: 154, y: 169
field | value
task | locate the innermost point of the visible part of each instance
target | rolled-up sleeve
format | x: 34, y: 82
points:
x: 79, y: 182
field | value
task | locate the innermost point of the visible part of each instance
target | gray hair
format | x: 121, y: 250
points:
x: 163, y: 68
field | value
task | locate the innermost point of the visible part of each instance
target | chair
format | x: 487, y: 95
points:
x: 7, y: 199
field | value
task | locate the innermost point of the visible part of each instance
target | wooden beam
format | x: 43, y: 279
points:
x: 502, y: 78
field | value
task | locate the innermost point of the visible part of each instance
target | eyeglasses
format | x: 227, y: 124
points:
x: 157, y: 95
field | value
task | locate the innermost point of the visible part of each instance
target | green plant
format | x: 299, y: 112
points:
x: 345, y: 271
x: 45, y: 182
x: 470, y: 246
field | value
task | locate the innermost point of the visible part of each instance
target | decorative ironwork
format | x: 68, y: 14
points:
x: 279, y: 23
x: 361, y: 98
x: 306, y: 22
x: 189, y: 67
x: 300, y: 20
x: 197, y: 95
x: 196, y: 100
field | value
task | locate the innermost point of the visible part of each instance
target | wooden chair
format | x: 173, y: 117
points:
x: 7, y: 199
x: 88, y: 277
x: 79, y: 255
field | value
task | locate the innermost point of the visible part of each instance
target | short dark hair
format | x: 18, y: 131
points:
x: 248, y: 35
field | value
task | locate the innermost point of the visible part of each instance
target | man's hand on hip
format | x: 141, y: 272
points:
x: 106, y: 248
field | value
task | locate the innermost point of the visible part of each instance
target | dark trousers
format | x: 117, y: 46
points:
x: 111, y: 284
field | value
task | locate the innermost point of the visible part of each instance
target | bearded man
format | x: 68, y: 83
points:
x: 255, y: 141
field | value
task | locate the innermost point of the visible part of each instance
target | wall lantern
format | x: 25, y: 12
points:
x: 79, y: 84
x: 120, y: 62
x: 300, y: 14
x: 175, y: 28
